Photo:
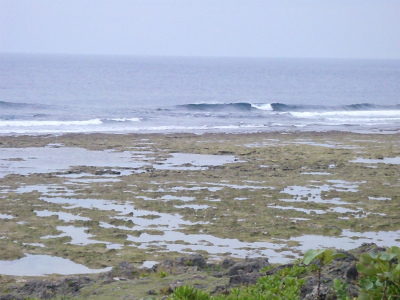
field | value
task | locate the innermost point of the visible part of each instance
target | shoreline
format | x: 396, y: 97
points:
x: 96, y: 199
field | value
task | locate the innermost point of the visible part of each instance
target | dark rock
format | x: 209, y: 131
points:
x: 352, y: 272
x: 244, y: 279
x: 123, y: 270
x: 192, y: 260
x: 107, y: 171
x: 168, y: 263
x: 152, y: 292
x: 11, y: 297
x: 325, y: 293
x: 227, y: 263
x: 274, y: 270
x: 249, y: 265
x: 246, y: 272
x: 220, y: 290
x: 367, y: 248
x: 309, y: 286
x: 45, y: 289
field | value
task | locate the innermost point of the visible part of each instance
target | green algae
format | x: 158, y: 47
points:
x: 266, y: 165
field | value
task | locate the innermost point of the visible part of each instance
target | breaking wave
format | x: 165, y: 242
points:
x: 281, y: 107
x: 243, y: 106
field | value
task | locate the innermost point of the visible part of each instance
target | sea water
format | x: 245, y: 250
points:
x: 122, y: 94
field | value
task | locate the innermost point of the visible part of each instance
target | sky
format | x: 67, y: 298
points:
x: 232, y: 28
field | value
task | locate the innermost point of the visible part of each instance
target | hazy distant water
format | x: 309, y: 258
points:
x: 56, y: 94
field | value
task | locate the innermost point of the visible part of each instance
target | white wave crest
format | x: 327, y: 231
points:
x: 18, y: 123
x: 357, y: 114
x: 265, y: 106
x: 125, y: 120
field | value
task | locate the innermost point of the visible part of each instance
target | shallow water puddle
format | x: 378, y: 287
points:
x: 182, y: 198
x: 379, y: 198
x: 194, y: 206
x: 348, y: 240
x: 241, y: 187
x: 170, y: 239
x: 35, y: 245
x: 66, y: 217
x: 149, y: 264
x: 313, y: 193
x: 77, y: 234
x: 307, y: 211
x: 325, y: 145
x: 385, y: 160
x: 80, y: 237
x: 316, y: 173
x: 187, y: 243
x: 188, y: 161
x: 343, y: 210
x: 86, y: 181
x: 40, y: 265
x: 127, y: 212
x: 26, y: 161
x: 3, y: 216
x: 46, y: 190
x: 312, y: 143
x: 196, y: 188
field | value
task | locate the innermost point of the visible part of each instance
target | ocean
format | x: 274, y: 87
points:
x: 56, y: 94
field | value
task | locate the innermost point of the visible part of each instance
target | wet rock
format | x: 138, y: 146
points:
x: 152, y: 293
x: 220, y: 290
x: 243, y: 279
x: 249, y: 265
x: 274, y: 270
x: 107, y: 172
x: 168, y: 263
x: 352, y: 272
x: 45, y: 289
x: 325, y: 293
x: 12, y: 297
x: 309, y: 286
x: 192, y: 260
x: 367, y: 248
x: 124, y: 270
x: 246, y: 272
x: 226, y: 263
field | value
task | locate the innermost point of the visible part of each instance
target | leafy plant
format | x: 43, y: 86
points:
x: 189, y: 293
x: 294, y: 271
x: 341, y: 289
x: 276, y: 287
x: 324, y: 258
x: 380, y: 275
x: 162, y: 274
x: 283, y: 285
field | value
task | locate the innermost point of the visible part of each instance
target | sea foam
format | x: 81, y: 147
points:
x: 33, y: 123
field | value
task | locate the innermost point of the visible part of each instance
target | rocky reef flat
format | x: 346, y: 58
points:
x: 125, y: 281
x: 82, y: 203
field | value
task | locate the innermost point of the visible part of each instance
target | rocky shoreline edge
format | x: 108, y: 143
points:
x: 126, y: 281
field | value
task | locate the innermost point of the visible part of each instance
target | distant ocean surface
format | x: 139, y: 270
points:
x: 56, y: 94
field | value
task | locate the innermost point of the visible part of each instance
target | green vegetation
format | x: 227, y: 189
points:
x: 379, y: 279
x: 324, y: 258
x: 285, y: 284
x: 340, y: 289
x: 380, y: 275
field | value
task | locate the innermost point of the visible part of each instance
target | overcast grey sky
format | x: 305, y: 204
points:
x: 267, y: 28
